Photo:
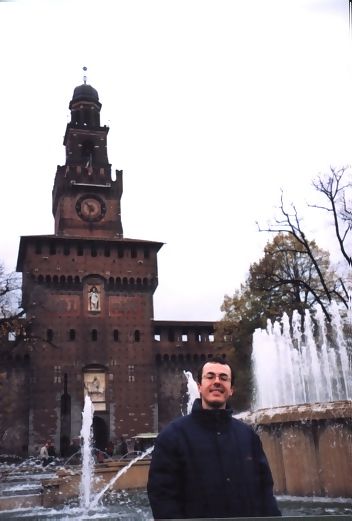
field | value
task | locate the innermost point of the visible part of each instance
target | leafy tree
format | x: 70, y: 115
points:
x: 287, y: 278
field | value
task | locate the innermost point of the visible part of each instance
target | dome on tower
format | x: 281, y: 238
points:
x: 85, y: 92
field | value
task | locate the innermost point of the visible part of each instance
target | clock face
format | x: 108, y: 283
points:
x: 90, y: 208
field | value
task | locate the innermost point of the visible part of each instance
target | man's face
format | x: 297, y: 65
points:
x: 215, y: 388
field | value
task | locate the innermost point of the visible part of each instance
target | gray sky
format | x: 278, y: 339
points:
x: 213, y: 107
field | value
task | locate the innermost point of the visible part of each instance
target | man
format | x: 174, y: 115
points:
x: 208, y: 464
x: 51, y: 451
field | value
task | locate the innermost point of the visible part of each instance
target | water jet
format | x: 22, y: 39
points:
x: 302, y: 405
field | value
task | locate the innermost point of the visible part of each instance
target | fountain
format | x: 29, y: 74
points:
x: 89, y: 484
x: 133, y: 504
x: 306, y: 368
x: 192, y: 390
x: 87, y: 460
x: 302, y: 404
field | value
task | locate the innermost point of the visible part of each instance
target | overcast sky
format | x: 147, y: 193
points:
x: 214, y: 106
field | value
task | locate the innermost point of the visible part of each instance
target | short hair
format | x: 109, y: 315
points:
x: 215, y: 360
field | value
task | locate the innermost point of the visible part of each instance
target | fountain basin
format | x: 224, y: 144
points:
x: 309, y: 447
x: 65, y: 484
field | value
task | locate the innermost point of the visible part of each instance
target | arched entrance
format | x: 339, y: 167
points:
x: 100, y: 433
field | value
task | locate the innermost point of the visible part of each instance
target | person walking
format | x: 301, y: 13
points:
x: 209, y: 464
x: 44, y: 455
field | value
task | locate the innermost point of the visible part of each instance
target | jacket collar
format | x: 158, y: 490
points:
x: 198, y: 411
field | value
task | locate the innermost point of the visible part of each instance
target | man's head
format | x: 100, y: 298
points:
x: 215, y: 383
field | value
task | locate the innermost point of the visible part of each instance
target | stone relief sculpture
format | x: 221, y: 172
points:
x: 94, y: 386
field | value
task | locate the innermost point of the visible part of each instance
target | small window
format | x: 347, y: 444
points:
x: 157, y: 337
x: 146, y: 253
x: 94, y: 252
x: 52, y: 249
x: 94, y: 335
x: 107, y: 251
x: 116, y: 335
x: 72, y: 334
x: 49, y: 335
x: 171, y: 335
x: 11, y: 337
x: 79, y: 250
x: 66, y: 250
x: 184, y: 337
x: 133, y: 253
x: 131, y: 378
x: 137, y: 335
x: 38, y: 248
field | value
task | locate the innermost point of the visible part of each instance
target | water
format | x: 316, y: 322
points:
x: 291, y: 368
x: 89, y: 501
x: 192, y: 390
x: 99, y: 496
x: 134, y: 506
x: 87, y: 454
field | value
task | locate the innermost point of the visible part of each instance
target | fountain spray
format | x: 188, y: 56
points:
x: 88, y: 461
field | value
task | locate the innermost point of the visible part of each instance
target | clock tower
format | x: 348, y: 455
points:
x: 88, y: 295
x: 86, y: 201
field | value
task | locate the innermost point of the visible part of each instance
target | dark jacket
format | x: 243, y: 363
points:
x: 208, y: 464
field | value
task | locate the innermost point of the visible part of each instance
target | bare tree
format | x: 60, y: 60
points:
x: 334, y: 188
x: 11, y: 314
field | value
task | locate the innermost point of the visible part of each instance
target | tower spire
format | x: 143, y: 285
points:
x: 84, y: 75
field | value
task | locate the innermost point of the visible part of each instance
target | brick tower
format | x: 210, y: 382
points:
x: 88, y: 293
